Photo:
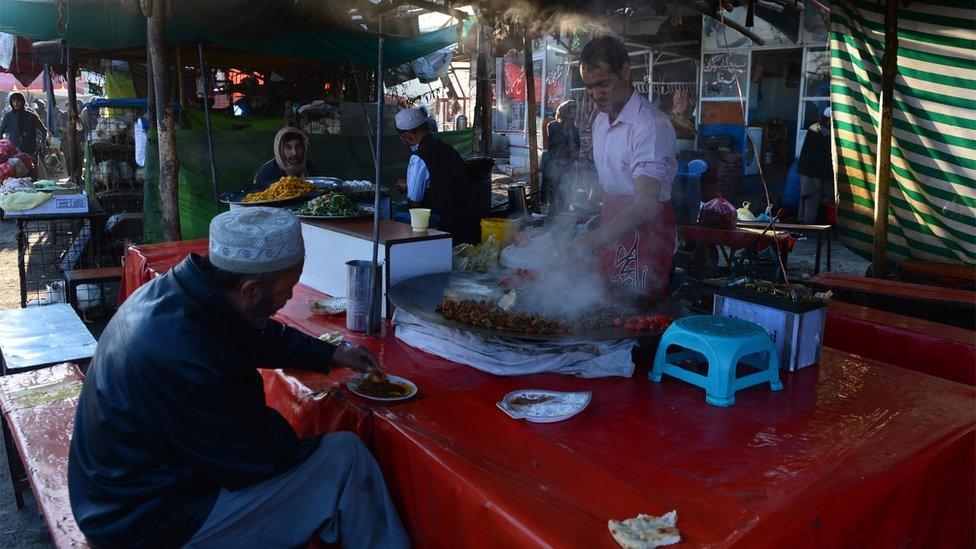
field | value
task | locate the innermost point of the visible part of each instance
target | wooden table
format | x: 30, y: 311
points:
x: 36, y: 337
x: 819, y: 230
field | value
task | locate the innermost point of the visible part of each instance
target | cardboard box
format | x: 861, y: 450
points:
x: 58, y: 204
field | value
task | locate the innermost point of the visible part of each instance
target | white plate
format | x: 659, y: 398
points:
x: 353, y: 385
x: 561, y: 406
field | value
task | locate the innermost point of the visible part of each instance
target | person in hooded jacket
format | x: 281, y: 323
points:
x: 174, y: 444
x: 290, y: 157
x: 816, y: 170
x: 22, y: 126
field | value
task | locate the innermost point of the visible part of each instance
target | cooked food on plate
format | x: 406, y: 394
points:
x: 283, y: 189
x: 377, y: 385
x: 333, y: 204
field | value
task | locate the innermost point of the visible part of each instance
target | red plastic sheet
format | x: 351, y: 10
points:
x: 144, y: 263
x: 921, y: 345
x: 851, y: 452
x: 39, y: 407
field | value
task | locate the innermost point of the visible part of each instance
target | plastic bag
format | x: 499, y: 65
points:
x: 466, y: 257
x: 7, y: 149
x: 6, y: 171
x: 19, y: 168
x: 26, y: 160
x: 744, y: 213
x: 718, y: 213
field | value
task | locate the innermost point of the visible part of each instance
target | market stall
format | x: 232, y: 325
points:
x: 852, y: 451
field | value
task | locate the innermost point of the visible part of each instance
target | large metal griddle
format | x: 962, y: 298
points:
x: 420, y: 295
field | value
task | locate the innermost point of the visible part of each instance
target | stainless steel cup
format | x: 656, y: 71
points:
x: 361, y: 275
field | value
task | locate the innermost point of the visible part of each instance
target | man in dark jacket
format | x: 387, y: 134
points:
x: 22, y: 126
x: 173, y: 443
x: 437, y: 176
x: 815, y: 169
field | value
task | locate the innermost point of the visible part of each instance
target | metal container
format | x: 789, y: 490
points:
x: 461, y: 122
x: 796, y: 329
x: 517, y: 202
x: 361, y: 274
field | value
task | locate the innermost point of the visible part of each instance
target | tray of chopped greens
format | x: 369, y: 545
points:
x: 333, y: 205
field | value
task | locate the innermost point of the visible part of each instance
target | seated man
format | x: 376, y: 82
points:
x: 173, y: 443
x: 290, y: 157
x: 437, y: 179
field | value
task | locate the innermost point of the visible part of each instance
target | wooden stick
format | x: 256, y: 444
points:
x: 889, y: 67
x: 705, y: 10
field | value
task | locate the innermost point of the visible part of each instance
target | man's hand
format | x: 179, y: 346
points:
x: 355, y: 357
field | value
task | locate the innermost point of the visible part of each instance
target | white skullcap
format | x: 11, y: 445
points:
x: 256, y: 240
x: 827, y: 112
x: 408, y: 119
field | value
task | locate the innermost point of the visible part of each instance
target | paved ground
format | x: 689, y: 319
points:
x: 20, y: 529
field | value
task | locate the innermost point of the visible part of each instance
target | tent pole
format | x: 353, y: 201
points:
x: 882, y: 176
x: 482, y: 105
x: 168, y: 163
x: 530, y: 111
x: 378, y: 165
x: 205, y: 78
x: 49, y: 96
x: 74, y: 150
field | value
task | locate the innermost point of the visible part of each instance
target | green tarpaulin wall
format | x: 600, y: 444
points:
x: 240, y: 154
x: 104, y: 25
x: 932, y: 213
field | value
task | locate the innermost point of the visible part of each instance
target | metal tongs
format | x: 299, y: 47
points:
x: 508, y: 300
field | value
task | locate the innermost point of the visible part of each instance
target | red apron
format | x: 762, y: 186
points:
x: 641, y: 261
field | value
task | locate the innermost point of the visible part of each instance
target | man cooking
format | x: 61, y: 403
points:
x: 23, y: 127
x: 437, y: 179
x: 633, y: 148
x: 290, y: 157
x: 173, y: 443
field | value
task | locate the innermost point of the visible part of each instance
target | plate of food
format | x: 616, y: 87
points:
x: 383, y: 387
x: 329, y: 306
x: 333, y: 205
x: 287, y: 190
x: 542, y: 406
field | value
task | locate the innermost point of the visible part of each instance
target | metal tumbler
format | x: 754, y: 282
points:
x: 361, y: 275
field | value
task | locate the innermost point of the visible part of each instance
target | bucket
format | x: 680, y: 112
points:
x: 517, y: 202
x: 503, y: 229
x: 361, y: 275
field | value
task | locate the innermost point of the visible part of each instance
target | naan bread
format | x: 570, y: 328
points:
x: 646, y: 531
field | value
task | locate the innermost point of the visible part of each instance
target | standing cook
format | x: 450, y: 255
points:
x: 290, y: 157
x: 633, y: 148
x: 437, y: 179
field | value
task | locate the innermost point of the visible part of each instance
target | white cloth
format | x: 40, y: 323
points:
x: 639, y: 142
x: 142, y: 139
x: 418, y: 179
x: 511, y: 357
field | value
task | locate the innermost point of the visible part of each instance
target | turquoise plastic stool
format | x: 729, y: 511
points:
x: 725, y: 342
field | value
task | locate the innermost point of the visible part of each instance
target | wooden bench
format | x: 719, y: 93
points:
x: 929, y: 347
x: 38, y: 414
x: 944, y: 305
x: 946, y: 275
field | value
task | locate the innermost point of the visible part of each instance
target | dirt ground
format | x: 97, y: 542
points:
x: 9, y: 282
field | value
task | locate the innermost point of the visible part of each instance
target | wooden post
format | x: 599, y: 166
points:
x: 73, y: 159
x: 882, y: 177
x: 530, y: 112
x: 165, y: 119
x: 482, y: 96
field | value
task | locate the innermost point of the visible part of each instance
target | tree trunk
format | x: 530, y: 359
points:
x: 73, y: 159
x: 482, y: 102
x: 165, y: 121
x: 530, y: 112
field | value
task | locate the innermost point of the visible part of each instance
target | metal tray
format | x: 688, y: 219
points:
x: 420, y: 295
x: 236, y: 197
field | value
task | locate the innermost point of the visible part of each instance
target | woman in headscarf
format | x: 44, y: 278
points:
x: 564, y: 145
x: 290, y: 157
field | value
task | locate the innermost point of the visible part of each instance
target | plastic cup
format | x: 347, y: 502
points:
x: 419, y: 218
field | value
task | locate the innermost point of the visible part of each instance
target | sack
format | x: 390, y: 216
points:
x: 744, y: 213
x: 718, y: 213
x: 7, y: 149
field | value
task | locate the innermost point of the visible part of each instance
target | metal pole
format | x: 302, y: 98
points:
x: 889, y: 68
x: 530, y: 111
x: 204, y: 75
x: 375, y: 293
x: 49, y: 96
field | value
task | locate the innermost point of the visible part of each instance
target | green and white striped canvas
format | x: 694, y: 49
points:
x: 933, y: 156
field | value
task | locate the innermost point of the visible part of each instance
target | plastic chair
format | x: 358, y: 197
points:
x: 724, y: 342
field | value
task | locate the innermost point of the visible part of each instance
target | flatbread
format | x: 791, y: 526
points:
x: 646, y: 531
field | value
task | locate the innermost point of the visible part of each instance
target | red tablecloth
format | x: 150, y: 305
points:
x: 144, y: 263
x: 851, y: 452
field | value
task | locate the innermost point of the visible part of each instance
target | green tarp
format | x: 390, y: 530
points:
x: 240, y: 154
x: 102, y: 25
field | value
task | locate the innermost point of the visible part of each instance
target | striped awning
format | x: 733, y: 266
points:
x: 933, y: 156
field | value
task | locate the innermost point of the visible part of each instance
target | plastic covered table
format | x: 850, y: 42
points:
x: 851, y: 452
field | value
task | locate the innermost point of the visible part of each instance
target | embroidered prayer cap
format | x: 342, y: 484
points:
x: 409, y: 119
x: 256, y: 240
